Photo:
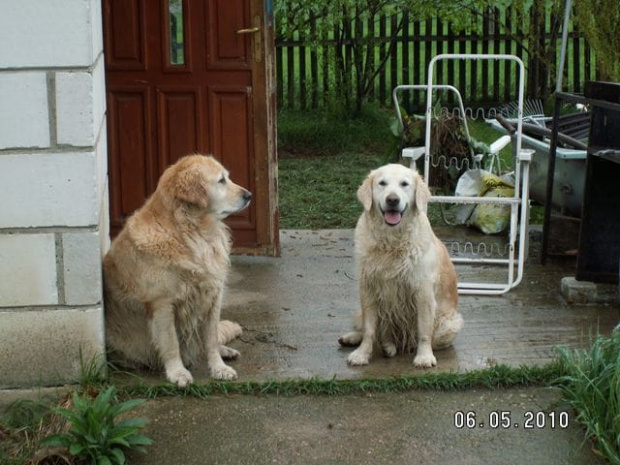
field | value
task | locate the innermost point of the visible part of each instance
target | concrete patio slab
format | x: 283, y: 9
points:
x: 294, y: 308
x: 413, y: 428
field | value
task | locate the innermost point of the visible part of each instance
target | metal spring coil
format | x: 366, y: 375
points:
x: 481, y: 249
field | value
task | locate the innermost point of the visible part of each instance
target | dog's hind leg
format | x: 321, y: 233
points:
x: 446, y: 331
x: 353, y: 338
x: 226, y: 332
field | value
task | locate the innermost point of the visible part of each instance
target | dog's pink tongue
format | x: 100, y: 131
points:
x: 392, y: 218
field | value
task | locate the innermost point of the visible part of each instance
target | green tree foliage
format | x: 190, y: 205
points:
x: 344, y: 21
x: 600, y: 22
x: 351, y: 24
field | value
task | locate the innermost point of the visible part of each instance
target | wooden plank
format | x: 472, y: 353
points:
x: 473, y: 86
x: 393, y: 57
x: 370, y: 55
x: 406, y: 79
x: 314, y: 66
x: 418, y: 70
x: 576, y: 68
x: 439, y: 41
x: 497, y: 50
x: 463, y: 64
x: 452, y: 78
x: 279, y: 76
x: 327, y: 65
x: 485, y: 76
x: 303, y: 93
x: 382, y: 56
x: 508, y: 65
x: 290, y: 77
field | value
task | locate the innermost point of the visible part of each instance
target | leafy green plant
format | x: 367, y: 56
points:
x: 94, y: 433
x: 592, y: 387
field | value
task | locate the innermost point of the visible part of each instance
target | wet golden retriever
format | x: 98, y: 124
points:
x: 408, y: 286
x: 165, y: 273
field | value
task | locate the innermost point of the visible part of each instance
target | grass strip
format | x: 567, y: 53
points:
x: 500, y: 376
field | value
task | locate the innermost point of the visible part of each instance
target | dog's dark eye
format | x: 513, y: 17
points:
x: 382, y: 183
x: 222, y: 180
x: 404, y: 184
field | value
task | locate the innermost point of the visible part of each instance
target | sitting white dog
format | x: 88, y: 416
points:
x: 408, y: 285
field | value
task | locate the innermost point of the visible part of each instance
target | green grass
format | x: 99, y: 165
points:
x: 592, y: 387
x: 334, y: 131
x: 320, y: 192
x: 500, y: 376
x: 324, y: 157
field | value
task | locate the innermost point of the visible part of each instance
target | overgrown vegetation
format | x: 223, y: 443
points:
x: 21, y: 426
x: 599, y: 19
x: 85, y: 425
x: 592, y: 387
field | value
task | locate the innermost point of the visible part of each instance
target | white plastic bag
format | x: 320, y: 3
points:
x: 488, y: 218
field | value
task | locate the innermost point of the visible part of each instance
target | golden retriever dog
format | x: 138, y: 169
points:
x: 408, y: 287
x: 165, y: 274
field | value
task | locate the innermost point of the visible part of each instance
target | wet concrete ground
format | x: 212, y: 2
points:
x: 294, y: 308
x: 408, y: 428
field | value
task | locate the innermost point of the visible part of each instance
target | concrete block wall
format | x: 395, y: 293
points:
x: 53, y: 190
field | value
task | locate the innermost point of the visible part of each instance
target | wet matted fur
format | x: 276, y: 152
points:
x: 165, y: 274
x: 408, y: 285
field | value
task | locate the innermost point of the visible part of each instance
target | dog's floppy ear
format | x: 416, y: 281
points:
x: 422, y: 193
x: 364, y: 193
x: 190, y: 187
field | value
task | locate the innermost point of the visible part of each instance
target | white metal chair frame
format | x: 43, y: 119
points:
x: 518, y: 226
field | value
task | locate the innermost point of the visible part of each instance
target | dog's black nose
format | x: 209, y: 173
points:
x: 247, y: 196
x: 392, y: 201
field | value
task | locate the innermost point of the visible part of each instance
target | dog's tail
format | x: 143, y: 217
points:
x: 227, y: 331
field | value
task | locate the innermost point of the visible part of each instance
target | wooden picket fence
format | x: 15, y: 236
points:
x: 305, y: 71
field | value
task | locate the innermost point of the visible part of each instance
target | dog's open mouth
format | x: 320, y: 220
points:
x: 392, y: 217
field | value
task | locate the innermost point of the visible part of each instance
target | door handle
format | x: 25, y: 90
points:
x: 250, y: 30
x: 256, y: 38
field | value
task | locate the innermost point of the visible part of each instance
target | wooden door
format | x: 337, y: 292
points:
x: 188, y: 76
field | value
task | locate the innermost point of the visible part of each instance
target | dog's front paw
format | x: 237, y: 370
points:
x: 179, y: 376
x: 427, y: 360
x: 389, y: 349
x: 223, y: 373
x: 358, y: 358
x: 229, y: 354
